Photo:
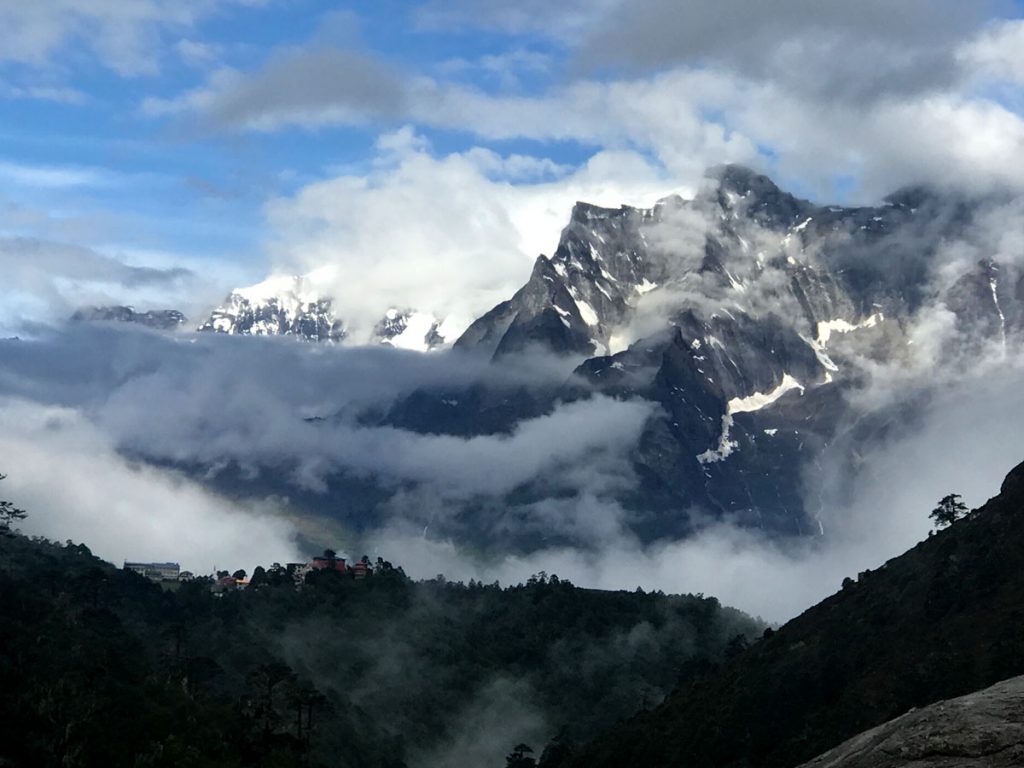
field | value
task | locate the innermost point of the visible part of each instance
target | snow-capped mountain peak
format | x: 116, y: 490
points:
x: 286, y: 305
x: 294, y: 305
x: 409, y: 329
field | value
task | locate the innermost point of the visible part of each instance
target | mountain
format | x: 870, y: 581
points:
x: 160, y: 319
x: 408, y: 329
x: 280, y: 305
x: 749, y: 316
x: 979, y: 730
x: 574, y: 301
x: 752, y: 320
x: 940, y: 621
x: 742, y: 246
x: 295, y: 306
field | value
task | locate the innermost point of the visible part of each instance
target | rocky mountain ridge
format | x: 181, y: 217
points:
x: 279, y: 306
x: 293, y: 305
x: 749, y: 316
x: 159, y: 319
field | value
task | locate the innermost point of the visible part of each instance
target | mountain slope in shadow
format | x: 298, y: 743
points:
x: 942, y: 620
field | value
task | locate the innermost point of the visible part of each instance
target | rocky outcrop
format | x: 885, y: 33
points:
x: 979, y: 730
x: 159, y: 319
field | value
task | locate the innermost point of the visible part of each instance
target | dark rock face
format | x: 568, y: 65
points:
x: 391, y: 325
x: 160, y: 319
x: 745, y: 402
x: 985, y: 304
x: 573, y: 300
x: 979, y: 730
x: 740, y: 239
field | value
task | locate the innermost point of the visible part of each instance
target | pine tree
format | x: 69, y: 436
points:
x: 9, y: 514
x: 520, y: 757
x: 950, y: 509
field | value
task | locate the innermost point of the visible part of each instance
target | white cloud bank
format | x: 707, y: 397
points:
x: 74, y: 484
x: 453, y: 235
x: 883, y: 515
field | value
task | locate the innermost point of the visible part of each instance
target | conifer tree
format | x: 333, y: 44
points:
x: 950, y: 509
x: 9, y: 515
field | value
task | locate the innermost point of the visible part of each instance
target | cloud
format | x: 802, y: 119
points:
x: 564, y: 21
x: 210, y: 406
x: 996, y: 52
x: 249, y: 401
x: 74, y: 485
x: 46, y: 281
x: 865, y: 94
x: 506, y: 69
x: 689, y: 119
x: 501, y: 714
x: 895, y: 143
x: 306, y: 87
x: 665, y: 115
x: 882, y: 514
x: 452, y: 235
x: 56, y: 94
x: 832, y: 50
x: 196, y: 53
x: 54, y: 176
x: 125, y: 36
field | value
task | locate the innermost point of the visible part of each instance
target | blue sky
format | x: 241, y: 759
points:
x: 212, y: 135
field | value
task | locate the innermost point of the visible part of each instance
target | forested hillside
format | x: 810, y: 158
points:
x: 100, y: 666
x: 940, y: 621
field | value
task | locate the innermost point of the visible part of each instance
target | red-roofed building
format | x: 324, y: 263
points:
x: 328, y: 563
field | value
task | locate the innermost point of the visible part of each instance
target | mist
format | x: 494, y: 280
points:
x: 88, y: 399
x: 74, y: 485
x: 881, y: 515
x: 55, y: 453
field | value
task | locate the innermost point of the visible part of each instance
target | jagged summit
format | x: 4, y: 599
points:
x: 286, y: 305
x: 914, y: 196
x: 743, y: 244
x: 295, y: 305
x: 742, y: 179
x: 583, y: 212
x: 739, y: 188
